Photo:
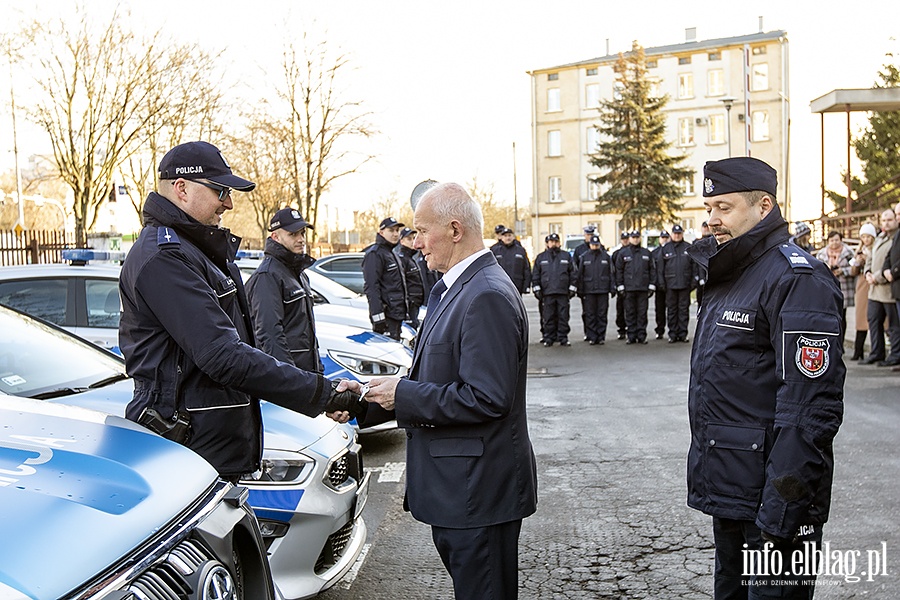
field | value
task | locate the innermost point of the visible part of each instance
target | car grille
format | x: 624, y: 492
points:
x: 167, y: 580
x: 343, y: 468
x: 334, y: 548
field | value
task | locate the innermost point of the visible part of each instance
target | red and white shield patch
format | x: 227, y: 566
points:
x: 812, y: 356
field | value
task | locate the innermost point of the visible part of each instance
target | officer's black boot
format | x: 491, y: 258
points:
x: 859, y: 346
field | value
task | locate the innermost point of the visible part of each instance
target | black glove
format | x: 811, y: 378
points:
x: 775, y: 540
x: 538, y: 295
x: 346, y: 401
x: 380, y: 327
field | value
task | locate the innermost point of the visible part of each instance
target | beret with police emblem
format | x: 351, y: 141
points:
x: 738, y: 174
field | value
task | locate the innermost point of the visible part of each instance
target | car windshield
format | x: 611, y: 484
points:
x: 329, y: 287
x: 38, y: 360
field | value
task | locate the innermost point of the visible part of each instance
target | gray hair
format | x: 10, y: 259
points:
x: 451, y: 202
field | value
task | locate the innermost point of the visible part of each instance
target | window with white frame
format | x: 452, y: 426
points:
x: 715, y: 82
x: 591, y: 71
x: 592, y: 140
x: 687, y: 185
x: 759, y: 128
x: 595, y: 189
x: 686, y: 131
x: 555, y: 190
x: 686, y: 85
x: 592, y: 95
x: 759, y: 77
x: 717, y: 129
x: 554, y: 146
x: 553, y: 100
x: 656, y: 88
x: 555, y: 228
x: 617, y: 90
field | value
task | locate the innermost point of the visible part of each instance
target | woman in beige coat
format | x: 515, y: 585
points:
x: 867, y: 235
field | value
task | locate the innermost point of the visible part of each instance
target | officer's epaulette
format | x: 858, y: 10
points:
x: 166, y: 236
x: 796, y: 257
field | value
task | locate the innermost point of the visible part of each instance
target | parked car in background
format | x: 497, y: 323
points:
x: 344, y: 268
x: 308, y: 496
x: 97, y: 507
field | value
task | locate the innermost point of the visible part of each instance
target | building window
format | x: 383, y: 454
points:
x: 686, y: 85
x: 717, y: 129
x: 555, y: 228
x: 714, y: 56
x: 652, y: 64
x: 554, y: 146
x: 553, y: 102
x: 688, y: 223
x: 760, y: 126
x: 592, y: 140
x: 617, y: 90
x: 688, y: 186
x: 595, y: 190
x: 686, y: 132
x: 759, y: 50
x: 684, y: 60
x: 552, y: 76
x: 590, y: 72
x: 656, y: 88
x: 759, y: 77
x: 715, y: 82
x: 592, y: 95
x: 555, y: 190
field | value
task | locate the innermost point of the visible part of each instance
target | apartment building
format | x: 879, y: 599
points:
x: 727, y: 97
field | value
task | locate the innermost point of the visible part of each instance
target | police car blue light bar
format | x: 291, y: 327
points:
x: 83, y: 255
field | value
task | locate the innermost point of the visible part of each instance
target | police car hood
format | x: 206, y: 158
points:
x: 81, y: 489
x: 284, y: 428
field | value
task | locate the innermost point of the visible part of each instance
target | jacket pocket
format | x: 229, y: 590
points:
x: 447, y: 447
x: 735, y: 459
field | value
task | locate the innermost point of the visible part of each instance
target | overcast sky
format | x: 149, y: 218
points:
x: 447, y: 81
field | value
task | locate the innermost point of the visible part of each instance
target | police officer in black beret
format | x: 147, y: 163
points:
x: 677, y: 272
x: 620, y: 298
x: 595, y: 281
x: 636, y: 279
x: 659, y: 299
x: 384, y: 281
x: 514, y: 259
x: 553, y: 284
x: 766, y: 389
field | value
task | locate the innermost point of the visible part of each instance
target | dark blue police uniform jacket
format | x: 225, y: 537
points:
x: 469, y: 458
x: 767, y: 379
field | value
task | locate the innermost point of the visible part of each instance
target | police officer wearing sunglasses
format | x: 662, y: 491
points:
x: 185, y: 329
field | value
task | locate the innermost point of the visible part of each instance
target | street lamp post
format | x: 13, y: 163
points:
x: 728, y: 102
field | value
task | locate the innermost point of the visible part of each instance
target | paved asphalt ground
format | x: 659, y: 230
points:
x: 609, y: 427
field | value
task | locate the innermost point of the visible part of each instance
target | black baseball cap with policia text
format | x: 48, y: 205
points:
x: 201, y: 160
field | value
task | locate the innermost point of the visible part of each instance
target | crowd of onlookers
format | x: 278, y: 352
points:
x: 869, y: 277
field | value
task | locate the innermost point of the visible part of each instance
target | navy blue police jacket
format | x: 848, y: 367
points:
x: 553, y: 273
x: 595, y: 273
x: 187, y: 339
x: 635, y: 269
x: 767, y: 379
x: 281, y: 308
x: 415, y: 286
x: 675, y: 269
x: 514, y: 260
x: 384, y: 282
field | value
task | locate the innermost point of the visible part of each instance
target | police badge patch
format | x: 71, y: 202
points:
x: 812, y: 356
x: 708, y: 185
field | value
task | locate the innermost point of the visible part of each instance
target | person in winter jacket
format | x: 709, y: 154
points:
x: 513, y: 258
x: 384, y: 281
x: 659, y: 298
x: 636, y: 279
x: 594, y: 276
x: 185, y: 330
x: 677, y: 273
x: 766, y: 393
x: 415, y: 285
x: 553, y: 284
x: 281, y: 301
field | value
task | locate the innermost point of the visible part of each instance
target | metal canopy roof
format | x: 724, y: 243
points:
x: 875, y: 99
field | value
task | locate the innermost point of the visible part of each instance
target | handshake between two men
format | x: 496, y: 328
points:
x: 350, y: 399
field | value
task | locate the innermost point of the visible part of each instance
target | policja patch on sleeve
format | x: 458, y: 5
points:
x: 811, y: 357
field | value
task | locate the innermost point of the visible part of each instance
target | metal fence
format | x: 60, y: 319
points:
x: 33, y: 247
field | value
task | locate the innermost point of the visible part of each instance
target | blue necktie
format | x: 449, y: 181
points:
x: 434, y: 298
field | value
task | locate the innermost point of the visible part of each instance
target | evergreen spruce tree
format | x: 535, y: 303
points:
x: 878, y: 148
x: 643, y: 181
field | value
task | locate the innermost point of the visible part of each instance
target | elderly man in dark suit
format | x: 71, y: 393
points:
x: 471, y: 470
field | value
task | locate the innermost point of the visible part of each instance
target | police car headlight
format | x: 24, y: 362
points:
x: 280, y: 467
x: 362, y: 365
